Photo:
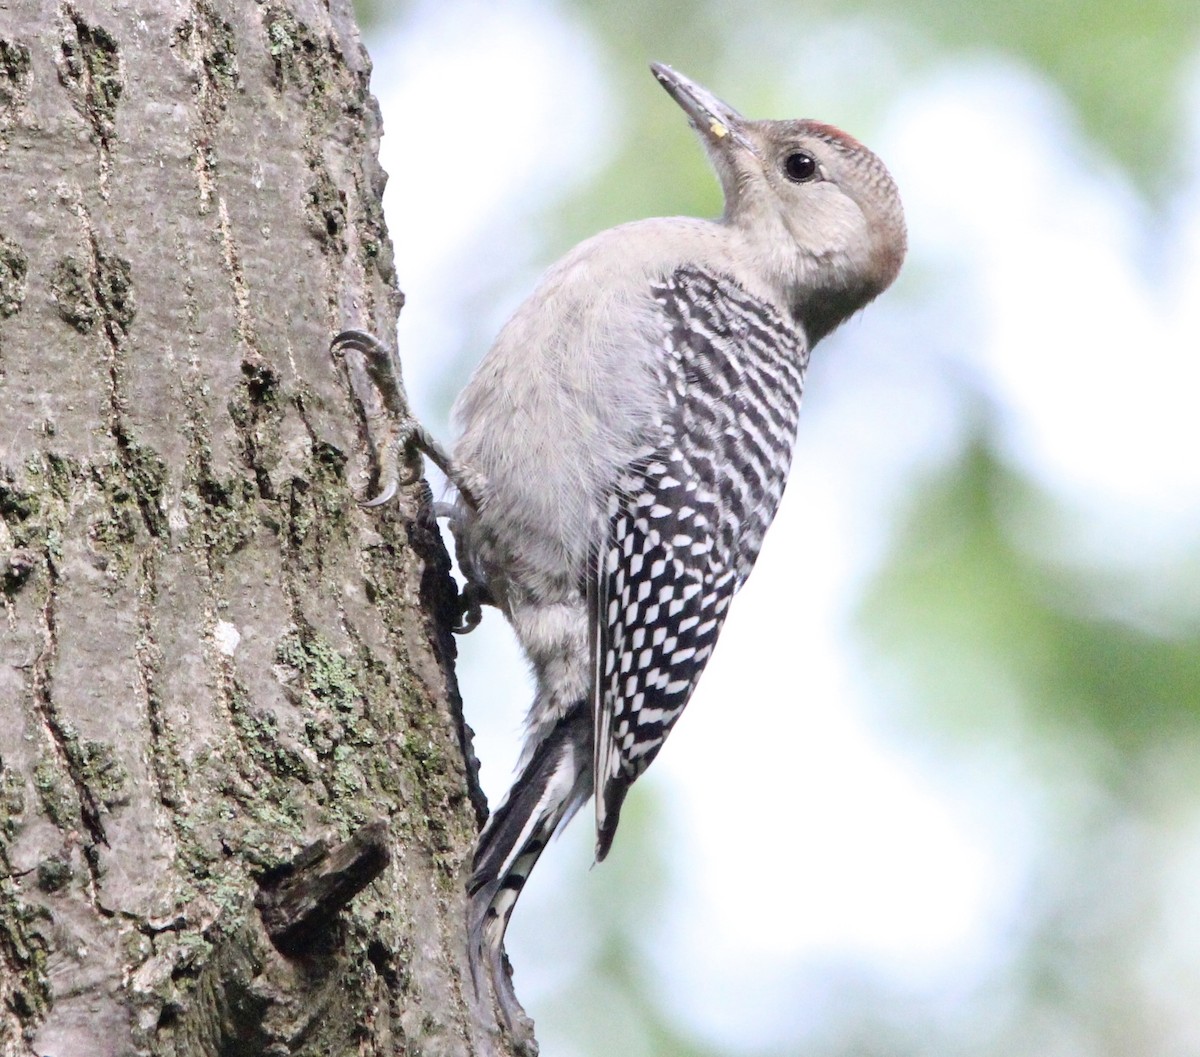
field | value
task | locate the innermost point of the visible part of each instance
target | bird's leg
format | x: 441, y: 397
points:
x: 399, y: 440
x: 397, y: 437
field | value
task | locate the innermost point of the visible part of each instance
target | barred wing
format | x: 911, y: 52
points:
x: 687, y: 521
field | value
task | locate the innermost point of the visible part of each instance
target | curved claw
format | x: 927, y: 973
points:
x: 473, y: 597
x: 471, y: 617
x: 400, y: 467
x: 356, y: 339
x: 386, y: 496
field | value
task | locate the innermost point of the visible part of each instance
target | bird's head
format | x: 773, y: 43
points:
x: 820, y: 209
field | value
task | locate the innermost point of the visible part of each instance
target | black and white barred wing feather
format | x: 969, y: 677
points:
x: 687, y: 521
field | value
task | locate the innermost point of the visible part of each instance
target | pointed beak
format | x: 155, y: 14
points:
x: 717, y: 122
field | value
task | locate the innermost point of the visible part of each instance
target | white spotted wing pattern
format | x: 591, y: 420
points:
x: 686, y: 522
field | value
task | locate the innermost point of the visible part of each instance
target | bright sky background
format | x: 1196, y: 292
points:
x: 803, y: 827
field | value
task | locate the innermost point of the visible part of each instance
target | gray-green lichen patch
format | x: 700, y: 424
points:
x: 325, y: 207
x: 258, y: 733
x: 83, y: 295
x: 90, y: 68
x: 338, y: 724
x: 13, y: 267
x: 312, y: 65
x: 59, y: 799
x: 122, y: 490
x: 226, y: 514
x: 12, y: 802
x: 24, y: 952
x: 257, y: 413
x: 62, y: 472
x: 267, y: 784
x: 316, y: 506
x: 114, y: 530
x: 145, y: 474
x: 209, y: 40
x: 33, y: 516
x: 17, y: 508
x: 222, y: 512
x: 14, y: 84
x: 54, y: 874
x: 297, y: 55
x: 100, y: 770
x: 375, y: 246
x: 92, y: 774
x: 74, y: 298
x: 220, y: 57
x: 114, y: 291
x: 322, y: 671
x: 14, y: 73
x: 131, y: 485
x: 119, y: 492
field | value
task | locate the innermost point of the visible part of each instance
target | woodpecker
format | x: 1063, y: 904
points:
x: 624, y: 446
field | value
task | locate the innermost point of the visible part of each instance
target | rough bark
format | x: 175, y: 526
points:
x: 216, y: 670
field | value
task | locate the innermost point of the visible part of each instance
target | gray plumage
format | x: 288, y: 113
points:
x: 627, y: 440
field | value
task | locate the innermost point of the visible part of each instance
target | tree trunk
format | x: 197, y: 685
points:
x: 226, y: 691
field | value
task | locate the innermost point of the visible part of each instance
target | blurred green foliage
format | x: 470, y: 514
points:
x: 991, y: 632
x: 1120, y: 63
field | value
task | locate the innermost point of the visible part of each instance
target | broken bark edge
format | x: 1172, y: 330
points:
x: 299, y: 899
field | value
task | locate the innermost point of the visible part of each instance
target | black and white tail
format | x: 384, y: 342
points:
x: 551, y: 786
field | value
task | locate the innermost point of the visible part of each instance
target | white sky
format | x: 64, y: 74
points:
x: 1029, y: 238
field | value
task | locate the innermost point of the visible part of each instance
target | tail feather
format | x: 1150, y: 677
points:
x: 608, y: 813
x: 551, y: 787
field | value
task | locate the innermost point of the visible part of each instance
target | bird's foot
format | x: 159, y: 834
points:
x: 471, y: 599
x: 397, y: 438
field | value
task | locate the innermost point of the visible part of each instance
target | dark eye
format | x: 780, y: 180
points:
x: 800, y: 166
